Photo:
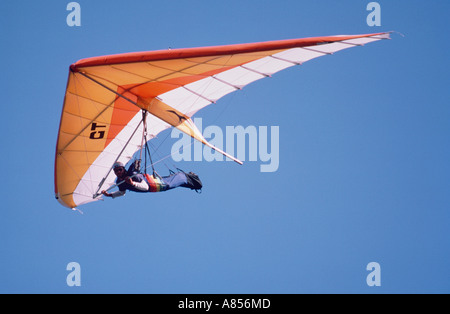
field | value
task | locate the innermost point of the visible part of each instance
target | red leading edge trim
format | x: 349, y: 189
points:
x: 208, y: 51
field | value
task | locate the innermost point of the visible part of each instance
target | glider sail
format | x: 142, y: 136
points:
x: 102, y: 117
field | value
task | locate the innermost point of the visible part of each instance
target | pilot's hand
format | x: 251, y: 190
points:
x: 128, y: 180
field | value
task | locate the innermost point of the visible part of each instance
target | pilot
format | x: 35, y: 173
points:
x: 138, y: 182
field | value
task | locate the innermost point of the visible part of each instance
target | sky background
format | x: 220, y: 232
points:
x: 364, y: 172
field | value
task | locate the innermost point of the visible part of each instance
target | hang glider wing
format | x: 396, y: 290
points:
x: 101, y: 120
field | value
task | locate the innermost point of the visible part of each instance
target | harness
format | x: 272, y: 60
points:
x: 155, y: 183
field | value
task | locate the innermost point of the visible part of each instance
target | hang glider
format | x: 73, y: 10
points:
x: 102, y: 119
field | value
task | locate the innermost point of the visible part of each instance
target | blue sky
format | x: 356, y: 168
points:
x: 363, y: 163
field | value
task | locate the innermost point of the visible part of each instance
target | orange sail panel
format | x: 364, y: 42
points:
x: 101, y: 120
